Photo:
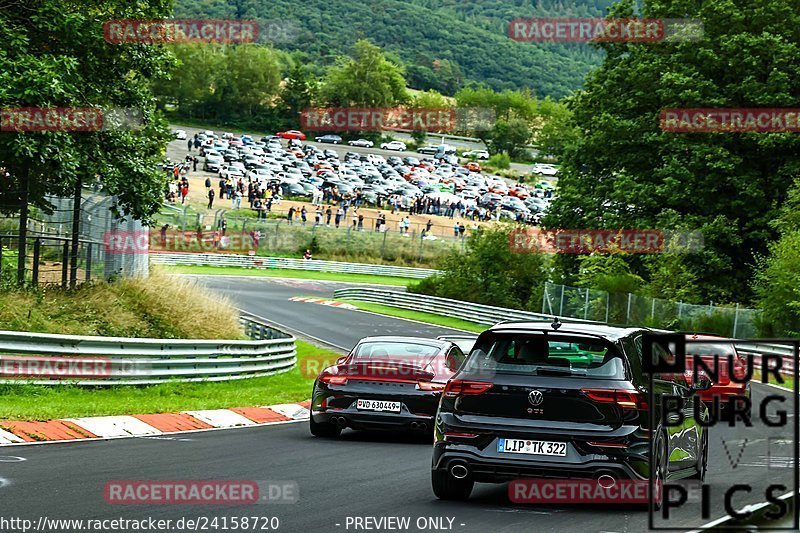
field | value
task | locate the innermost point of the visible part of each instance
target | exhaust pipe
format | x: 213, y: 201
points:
x: 606, y: 481
x: 414, y: 426
x: 339, y: 421
x: 459, y: 471
x: 423, y: 426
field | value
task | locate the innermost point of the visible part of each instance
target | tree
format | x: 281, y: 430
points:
x: 489, y: 272
x: 367, y: 79
x: 625, y: 172
x: 298, y: 92
x: 510, y: 136
x: 53, y: 54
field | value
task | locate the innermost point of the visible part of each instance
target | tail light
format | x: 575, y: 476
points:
x: 451, y: 436
x: 623, y: 398
x: 430, y: 386
x: 460, y: 387
x: 333, y: 380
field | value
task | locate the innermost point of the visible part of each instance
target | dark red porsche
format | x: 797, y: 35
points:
x: 391, y: 383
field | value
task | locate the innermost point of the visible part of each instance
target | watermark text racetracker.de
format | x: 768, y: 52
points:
x: 137, y: 525
x: 588, y: 241
x: 744, y: 120
x: 200, y: 492
x: 632, y: 30
x: 73, y: 119
x: 46, y: 367
x: 143, y: 242
x: 438, y: 119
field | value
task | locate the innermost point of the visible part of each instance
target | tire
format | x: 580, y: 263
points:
x: 325, y: 430
x: 446, y: 487
x: 702, y: 461
x: 661, y: 460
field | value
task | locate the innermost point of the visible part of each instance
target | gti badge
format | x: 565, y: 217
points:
x: 535, y: 397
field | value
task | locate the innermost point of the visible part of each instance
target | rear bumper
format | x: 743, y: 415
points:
x: 375, y: 421
x: 494, y: 470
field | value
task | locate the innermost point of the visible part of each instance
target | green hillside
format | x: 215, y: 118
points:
x: 444, y: 44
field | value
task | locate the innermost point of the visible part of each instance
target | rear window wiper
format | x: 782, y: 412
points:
x: 554, y: 372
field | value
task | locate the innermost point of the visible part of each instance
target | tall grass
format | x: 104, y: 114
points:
x: 159, y: 306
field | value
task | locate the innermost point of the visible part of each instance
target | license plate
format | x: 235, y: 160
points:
x: 378, y: 405
x: 532, y: 447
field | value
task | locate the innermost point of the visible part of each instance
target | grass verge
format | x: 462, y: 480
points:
x: 38, y: 402
x: 287, y: 273
x: 159, y: 307
x: 429, y: 318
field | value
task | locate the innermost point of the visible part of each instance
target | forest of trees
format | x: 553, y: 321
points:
x: 444, y: 45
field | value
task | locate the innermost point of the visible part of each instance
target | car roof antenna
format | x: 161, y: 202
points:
x: 556, y: 324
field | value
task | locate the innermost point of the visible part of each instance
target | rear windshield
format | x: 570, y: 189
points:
x: 370, y: 351
x: 551, y: 355
x: 709, y: 349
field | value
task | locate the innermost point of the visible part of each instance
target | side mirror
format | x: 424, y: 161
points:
x: 341, y: 360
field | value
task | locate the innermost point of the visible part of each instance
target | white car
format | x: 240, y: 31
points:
x: 478, y: 154
x: 394, y: 145
x: 545, y: 169
x: 180, y: 135
x: 363, y: 143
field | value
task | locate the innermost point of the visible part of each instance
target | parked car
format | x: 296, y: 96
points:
x: 428, y: 149
x: 291, y: 134
x: 535, y: 399
x: 394, y: 145
x: 180, y: 135
x: 212, y: 163
x: 363, y: 143
x: 384, y: 383
x: 330, y: 139
x: 477, y: 154
x: 545, y: 169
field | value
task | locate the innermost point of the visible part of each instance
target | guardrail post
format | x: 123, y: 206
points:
x: 561, y: 306
x: 383, y: 246
x: 586, y: 306
x: 64, y: 261
x: 37, y: 244
x: 653, y: 310
x: 608, y: 304
x: 735, y: 321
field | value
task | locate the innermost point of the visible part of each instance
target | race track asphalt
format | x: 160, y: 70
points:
x: 359, y: 475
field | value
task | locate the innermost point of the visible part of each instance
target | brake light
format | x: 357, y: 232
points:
x: 601, y: 444
x: 457, y: 387
x: 430, y: 386
x: 623, y: 398
x: 448, y: 436
x: 333, y: 380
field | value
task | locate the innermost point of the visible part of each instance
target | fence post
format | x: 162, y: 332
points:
x: 608, y: 304
x: 628, y: 315
x: 421, y: 249
x: 680, y: 310
x: 561, y: 306
x: 64, y: 265
x: 586, y: 306
x: 544, y: 299
x: 653, y: 310
x: 1, y: 255
x: 36, y: 251
x: 736, y: 321
x: 89, y: 262
x: 383, y: 246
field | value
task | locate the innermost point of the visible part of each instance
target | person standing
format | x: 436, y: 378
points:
x: 328, y: 214
x: 208, y: 184
x: 318, y: 217
x: 194, y: 164
x: 360, y: 222
x: 222, y: 188
x: 184, y: 192
x: 338, y: 218
x: 211, y: 195
x: 355, y: 218
x: 428, y: 226
x: 303, y: 215
x: 189, y: 144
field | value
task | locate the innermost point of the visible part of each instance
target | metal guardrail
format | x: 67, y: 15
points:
x: 479, y: 313
x: 254, y: 261
x: 489, y: 315
x: 126, y: 361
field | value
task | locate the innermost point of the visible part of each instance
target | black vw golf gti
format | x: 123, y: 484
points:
x: 561, y: 401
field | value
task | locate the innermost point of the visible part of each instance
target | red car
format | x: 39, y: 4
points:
x: 722, y: 386
x: 519, y: 192
x: 391, y: 383
x: 291, y: 134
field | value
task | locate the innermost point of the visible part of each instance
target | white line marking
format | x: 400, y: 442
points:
x: 11, y: 459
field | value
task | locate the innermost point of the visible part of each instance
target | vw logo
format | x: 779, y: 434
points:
x: 535, y: 397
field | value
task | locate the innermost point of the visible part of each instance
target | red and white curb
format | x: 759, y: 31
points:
x: 323, y: 301
x: 16, y: 432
